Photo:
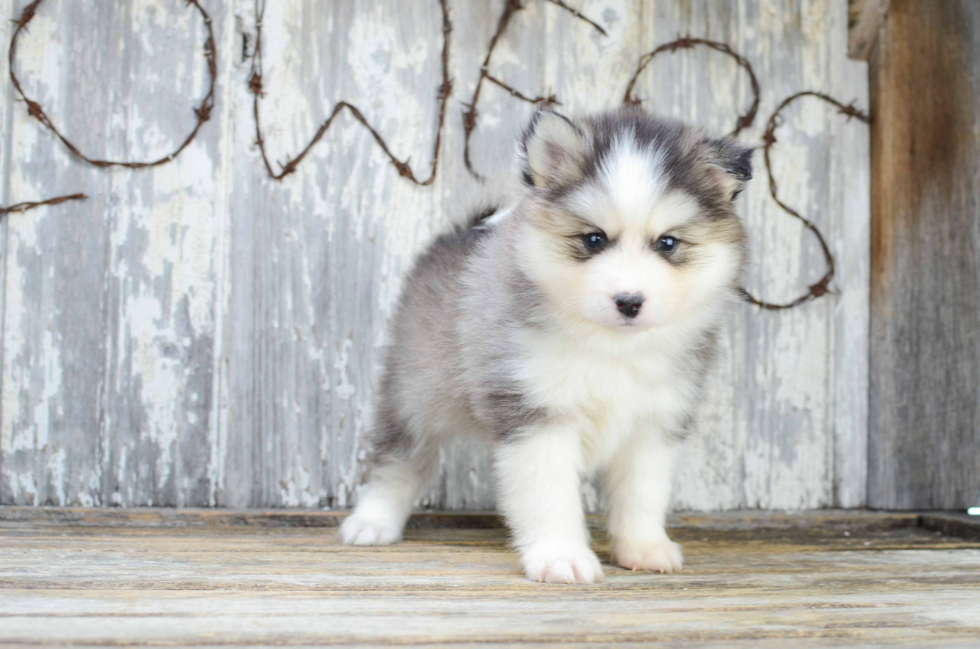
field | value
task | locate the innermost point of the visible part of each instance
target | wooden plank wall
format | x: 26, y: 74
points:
x: 925, y: 289
x: 200, y: 335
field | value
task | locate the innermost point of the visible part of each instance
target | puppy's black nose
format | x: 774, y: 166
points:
x: 629, y: 303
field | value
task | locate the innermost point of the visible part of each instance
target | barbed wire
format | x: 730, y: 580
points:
x: 34, y: 109
x: 470, y: 115
x: 255, y: 84
x: 822, y: 286
x: 744, y: 120
x: 24, y: 207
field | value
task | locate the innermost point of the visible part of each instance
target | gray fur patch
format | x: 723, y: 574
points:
x: 703, y: 358
x: 390, y: 439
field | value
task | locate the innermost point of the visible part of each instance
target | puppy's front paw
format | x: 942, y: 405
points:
x: 655, y: 556
x: 360, y: 530
x: 561, y: 564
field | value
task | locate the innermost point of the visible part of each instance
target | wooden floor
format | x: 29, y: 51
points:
x: 154, y: 577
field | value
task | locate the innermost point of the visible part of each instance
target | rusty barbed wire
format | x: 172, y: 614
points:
x: 34, y: 109
x: 255, y: 84
x: 822, y: 286
x: 30, y: 205
x: 470, y: 114
x: 745, y: 119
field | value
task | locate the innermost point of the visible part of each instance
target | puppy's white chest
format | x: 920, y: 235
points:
x: 606, y: 398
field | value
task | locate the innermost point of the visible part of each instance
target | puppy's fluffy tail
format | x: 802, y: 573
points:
x: 475, y: 204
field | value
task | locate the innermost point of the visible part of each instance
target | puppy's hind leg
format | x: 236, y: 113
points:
x: 399, y: 469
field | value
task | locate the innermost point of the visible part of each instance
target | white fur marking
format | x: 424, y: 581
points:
x: 638, y: 487
x: 538, y: 477
x: 496, y: 218
x: 634, y: 180
x: 382, y: 511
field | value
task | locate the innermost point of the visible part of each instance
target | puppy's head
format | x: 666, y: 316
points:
x: 630, y: 218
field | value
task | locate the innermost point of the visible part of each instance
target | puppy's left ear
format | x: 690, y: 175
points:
x: 730, y: 164
x: 551, y: 150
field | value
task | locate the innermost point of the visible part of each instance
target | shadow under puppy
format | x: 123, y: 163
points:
x: 572, y: 330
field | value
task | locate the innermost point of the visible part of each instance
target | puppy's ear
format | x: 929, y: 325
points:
x: 551, y: 150
x: 730, y: 164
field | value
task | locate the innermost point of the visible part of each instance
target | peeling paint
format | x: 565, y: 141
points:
x: 199, y: 335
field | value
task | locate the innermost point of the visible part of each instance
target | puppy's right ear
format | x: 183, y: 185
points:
x: 551, y: 150
x: 731, y: 163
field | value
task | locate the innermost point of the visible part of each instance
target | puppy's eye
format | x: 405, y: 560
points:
x: 666, y: 244
x: 596, y: 241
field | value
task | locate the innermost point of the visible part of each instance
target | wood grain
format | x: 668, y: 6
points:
x: 805, y: 586
x: 925, y: 288
x: 199, y: 335
x: 138, y: 517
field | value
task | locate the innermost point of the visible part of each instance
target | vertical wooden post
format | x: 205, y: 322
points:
x: 924, y: 446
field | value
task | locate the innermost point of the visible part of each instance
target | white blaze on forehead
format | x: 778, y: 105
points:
x: 634, y: 179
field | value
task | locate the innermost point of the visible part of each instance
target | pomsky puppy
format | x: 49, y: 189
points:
x: 573, y: 330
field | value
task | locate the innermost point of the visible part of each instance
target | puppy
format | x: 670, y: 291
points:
x: 572, y: 330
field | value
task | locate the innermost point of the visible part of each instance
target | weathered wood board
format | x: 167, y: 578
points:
x: 839, y: 581
x: 200, y: 335
x: 925, y: 288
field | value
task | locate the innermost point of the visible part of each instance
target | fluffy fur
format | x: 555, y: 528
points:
x: 572, y: 330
